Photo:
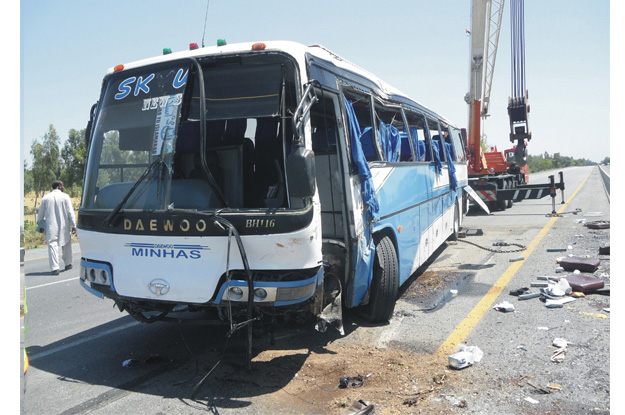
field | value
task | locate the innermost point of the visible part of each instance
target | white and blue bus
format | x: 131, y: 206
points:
x: 262, y: 180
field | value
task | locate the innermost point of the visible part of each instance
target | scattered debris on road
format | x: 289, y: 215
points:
x: 505, y: 307
x: 465, y: 356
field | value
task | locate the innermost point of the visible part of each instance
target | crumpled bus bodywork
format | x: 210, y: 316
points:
x: 281, y: 170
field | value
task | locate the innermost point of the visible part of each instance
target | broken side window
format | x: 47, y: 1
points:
x: 420, y: 141
x: 390, y: 127
x: 456, y: 140
x: 362, y: 109
x: 437, y: 139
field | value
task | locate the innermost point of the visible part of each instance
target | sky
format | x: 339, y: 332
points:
x: 420, y: 47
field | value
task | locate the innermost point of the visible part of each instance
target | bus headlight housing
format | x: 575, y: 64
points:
x: 95, y: 273
x: 295, y: 293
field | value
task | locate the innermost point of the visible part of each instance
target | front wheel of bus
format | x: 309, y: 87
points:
x: 385, y: 284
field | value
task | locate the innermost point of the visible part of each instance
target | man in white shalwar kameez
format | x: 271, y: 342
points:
x: 56, y: 209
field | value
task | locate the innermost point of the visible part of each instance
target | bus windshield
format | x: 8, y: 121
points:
x: 148, y: 128
x: 136, y: 124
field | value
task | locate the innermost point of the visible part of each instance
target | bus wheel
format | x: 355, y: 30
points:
x: 385, y: 284
x: 456, y: 229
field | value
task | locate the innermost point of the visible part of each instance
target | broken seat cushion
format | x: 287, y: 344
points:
x: 584, y: 283
x: 582, y: 264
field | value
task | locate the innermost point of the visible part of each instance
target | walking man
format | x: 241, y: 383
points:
x: 56, y: 208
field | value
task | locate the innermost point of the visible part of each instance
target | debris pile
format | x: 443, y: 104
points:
x: 581, y: 275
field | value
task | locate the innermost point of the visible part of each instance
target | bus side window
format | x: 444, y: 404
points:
x: 391, y: 127
x: 446, y: 144
x: 323, y: 124
x: 437, y: 143
x: 457, y: 144
x: 416, y: 124
x: 362, y: 109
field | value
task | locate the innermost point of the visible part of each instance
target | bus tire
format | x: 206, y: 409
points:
x: 456, y: 227
x: 385, y: 282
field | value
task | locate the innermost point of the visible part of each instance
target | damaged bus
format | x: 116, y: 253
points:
x: 256, y: 181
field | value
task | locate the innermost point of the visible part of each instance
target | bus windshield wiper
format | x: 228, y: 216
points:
x: 159, y: 161
x: 161, y: 165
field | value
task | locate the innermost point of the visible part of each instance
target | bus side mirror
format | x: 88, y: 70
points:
x: 300, y: 172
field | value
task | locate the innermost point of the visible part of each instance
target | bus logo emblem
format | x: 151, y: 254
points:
x: 159, y: 287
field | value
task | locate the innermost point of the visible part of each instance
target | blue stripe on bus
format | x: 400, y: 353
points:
x: 318, y: 278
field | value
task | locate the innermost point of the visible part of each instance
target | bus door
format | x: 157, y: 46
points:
x: 363, y: 149
x: 330, y: 162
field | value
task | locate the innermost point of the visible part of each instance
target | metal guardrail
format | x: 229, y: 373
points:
x: 606, y: 180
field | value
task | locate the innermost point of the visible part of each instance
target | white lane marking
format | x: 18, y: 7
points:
x: 51, y: 283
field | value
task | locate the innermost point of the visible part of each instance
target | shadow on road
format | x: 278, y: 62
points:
x: 168, y: 359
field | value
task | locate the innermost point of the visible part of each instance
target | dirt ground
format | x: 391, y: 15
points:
x: 307, y: 380
x: 395, y: 381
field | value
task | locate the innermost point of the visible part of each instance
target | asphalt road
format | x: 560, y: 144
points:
x: 78, y: 344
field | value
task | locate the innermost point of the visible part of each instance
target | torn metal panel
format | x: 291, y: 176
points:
x: 476, y: 198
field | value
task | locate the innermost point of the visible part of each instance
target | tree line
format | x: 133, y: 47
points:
x: 51, y: 161
x: 557, y: 161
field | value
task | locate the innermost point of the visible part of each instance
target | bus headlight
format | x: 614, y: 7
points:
x: 260, y: 293
x: 235, y: 293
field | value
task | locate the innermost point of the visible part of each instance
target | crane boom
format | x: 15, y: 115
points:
x: 486, y: 17
x: 492, y: 174
x: 495, y: 14
x: 484, y: 43
x: 518, y: 106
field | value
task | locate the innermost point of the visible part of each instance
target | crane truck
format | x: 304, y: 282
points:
x: 500, y: 178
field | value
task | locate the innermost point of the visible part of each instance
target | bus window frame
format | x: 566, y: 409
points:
x: 385, y: 106
x: 441, y: 153
x: 426, y: 137
x: 346, y: 90
x: 460, y: 153
x: 445, y: 129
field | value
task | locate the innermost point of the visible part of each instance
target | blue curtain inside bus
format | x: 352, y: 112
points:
x: 435, y: 148
x: 437, y: 155
x: 453, y: 182
x: 366, y: 143
x: 406, y: 154
x: 389, y: 139
x: 419, y: 145
x: 368, y: 191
